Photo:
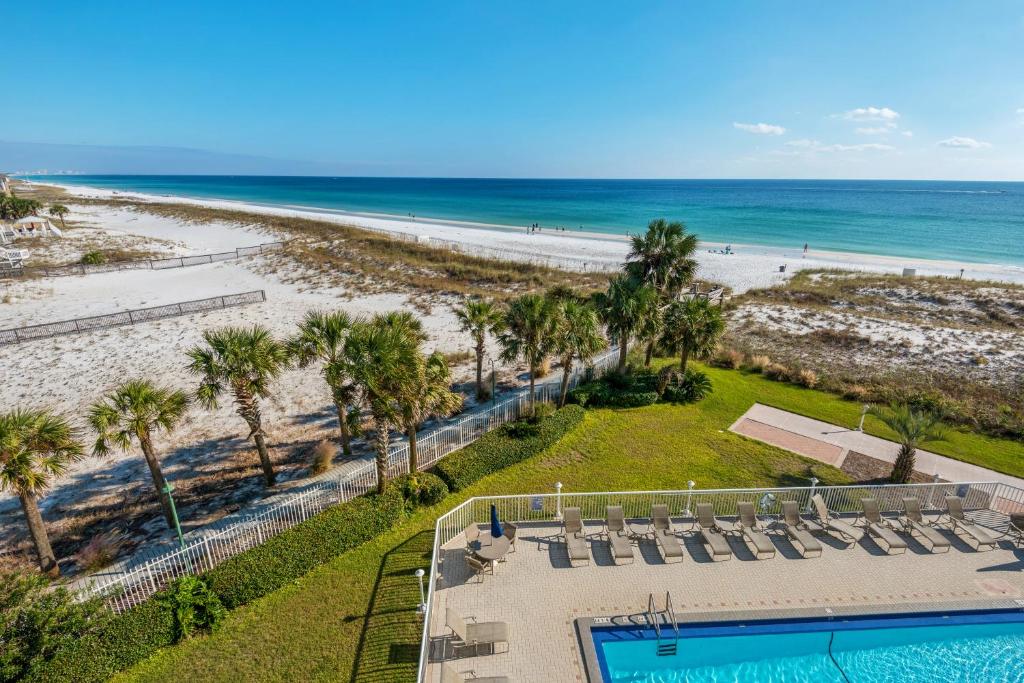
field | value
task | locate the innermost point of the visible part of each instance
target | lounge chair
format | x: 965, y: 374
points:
x: 846, y: 532
x: 575, y: 538
x: 478, y: 568
x: 958, y: 522
x: 753, y: 531
x: 450, y: 675
x: 472, y: 534
x: 1016, y: 529
x: 664, y: 535
x: 509, y: 530
x: 879, y: 528
x: 712, y: 533
x: 913, y: 520
x: 619, y: 542
x: 472, y: 633
x: 798, y: 530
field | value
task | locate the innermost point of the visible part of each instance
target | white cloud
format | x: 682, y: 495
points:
x: 872, y: 114
x: 815, y: 146
x: 760, y: 128
x: 907, y: 133
x: 959, y: 142
x: 803, y: 143
x: 879, y: 130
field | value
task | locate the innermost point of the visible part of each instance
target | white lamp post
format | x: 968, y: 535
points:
x: 689, y: 494
x: 863, y: 413
x: 422, y: 607
x: 814, y: 484
x: 558, y: 501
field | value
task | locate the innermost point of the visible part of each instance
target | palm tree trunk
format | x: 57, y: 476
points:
x: 47, y: 560
x: 683, y: 358
x: 480, y: 370
x: 648, y: 354
x: 249, y: 409
x: 268, y: 467
x: 381, y: 441
x: 346, y: 437
x: 623, y: 341
x: 158, y: 477
x: 414, y: 464
x: 903, y: 468
x: 566, y: 371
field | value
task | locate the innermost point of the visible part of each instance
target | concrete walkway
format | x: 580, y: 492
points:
x: 831, y: 444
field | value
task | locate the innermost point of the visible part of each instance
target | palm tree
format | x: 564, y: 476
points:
x: 35, y: 446
x: 577, y: 337
x: 322, y: 337
x: 382, y: 358
x: 244, y: 361
x: 625, y: 308
x: 12, y: 208
x: 692, y: 329
x: 478, y: 317
x: 59, y: 210
x: 427, y: 395
x: 133, y: 411
x: 913, y: 428
x: 528, y: 333
x: 663, y: 257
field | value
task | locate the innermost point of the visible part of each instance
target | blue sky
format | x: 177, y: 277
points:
x: 927, y: 89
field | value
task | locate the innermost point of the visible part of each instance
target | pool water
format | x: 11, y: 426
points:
x: 976, y: 648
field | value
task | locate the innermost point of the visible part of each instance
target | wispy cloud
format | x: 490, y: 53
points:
x: 959, y: 142
x: 907, y: 133
x: 760, y: 128
x: 815, y: 146
x: 871, y: 114
x: 876, y: 130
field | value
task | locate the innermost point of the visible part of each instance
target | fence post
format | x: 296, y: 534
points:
x: 149, y: 572
x: 209, y: 557
x: 131, y: 318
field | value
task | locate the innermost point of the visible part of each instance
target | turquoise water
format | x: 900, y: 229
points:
x: 968, y: 653
x: 960, y: 221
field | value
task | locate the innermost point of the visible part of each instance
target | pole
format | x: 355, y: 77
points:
x: 168, y: 490
x: 494, y: 383
x: 814, y: 483
x: 558, y: 500
x: 863, y: 412
x: 422, y: 607
x: 689, y: 494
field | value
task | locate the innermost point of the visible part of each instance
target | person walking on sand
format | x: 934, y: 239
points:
x: 805, y: 249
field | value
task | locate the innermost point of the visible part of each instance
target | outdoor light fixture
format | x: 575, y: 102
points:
x: 814, y: 484
x: 863, y: 413
x: 422, y: 607
x: 689, y: 494
x: 558, y: 500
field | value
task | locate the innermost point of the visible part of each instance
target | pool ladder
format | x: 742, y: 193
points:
x: 666, y: 647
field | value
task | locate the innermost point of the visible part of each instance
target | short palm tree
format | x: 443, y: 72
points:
x: 528, y: 331
x: 428, y: 395
x: 663, y: 257
x: 913, y: 428
x: 692, y: 328
x: 478, y: 317
x: 577, y: 337
x: 133, y: 412
x: 244, y: 361
x: 625, y: 308
x: 382, y: 359
x: 35, y: 446
x: 321, y: 337
x: 59, y: 210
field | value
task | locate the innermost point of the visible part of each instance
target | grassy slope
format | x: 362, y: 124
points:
x: 354, y: 618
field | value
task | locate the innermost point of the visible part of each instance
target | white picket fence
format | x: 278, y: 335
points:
x: 126, y: 589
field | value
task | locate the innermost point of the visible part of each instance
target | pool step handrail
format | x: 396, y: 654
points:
x: 668, y: 647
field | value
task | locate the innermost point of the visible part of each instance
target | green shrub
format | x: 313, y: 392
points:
x: 692, y: 387
x: 499, y: 449
x: 94, y: 258
x: 617, y: 391
x: 194, y: 606
x: 422, y: 488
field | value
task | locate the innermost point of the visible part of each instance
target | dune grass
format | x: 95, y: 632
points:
x: 354, y: 619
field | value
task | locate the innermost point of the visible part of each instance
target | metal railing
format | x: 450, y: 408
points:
x: 980, y: 498
x: 78, y: 325
x: 206, y: 550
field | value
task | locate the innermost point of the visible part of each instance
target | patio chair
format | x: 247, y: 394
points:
x: 1016, y: 529
x: 478, y: 568
x: 619, y: 542
x: 829, y: 522
x: 753, y: 531
x: 575, y: 537
x: 472, y: 633
x: 958, y: 522
x: 664, y: 535
x: 510, y: 533
x: 712, y: 533
x: 450, y: 675
x: 472, y: 534
x: 879, y: 528
x: 913, y: 520
x: 798, y: 530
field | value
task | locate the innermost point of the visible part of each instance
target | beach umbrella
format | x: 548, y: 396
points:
x: 496, y: 531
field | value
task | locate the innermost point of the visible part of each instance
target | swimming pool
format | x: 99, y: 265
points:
x: 976, y: 647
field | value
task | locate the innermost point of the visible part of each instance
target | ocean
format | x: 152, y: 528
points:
x: 980, y: 222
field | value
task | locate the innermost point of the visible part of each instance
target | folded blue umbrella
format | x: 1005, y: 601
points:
x: 495, y: 524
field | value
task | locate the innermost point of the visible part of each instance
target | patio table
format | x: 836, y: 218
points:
x: 491, y: 549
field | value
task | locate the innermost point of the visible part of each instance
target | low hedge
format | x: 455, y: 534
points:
x: 617, y: 391
x: 505, y: 446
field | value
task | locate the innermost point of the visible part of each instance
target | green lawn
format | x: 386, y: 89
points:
x: 354, y: 619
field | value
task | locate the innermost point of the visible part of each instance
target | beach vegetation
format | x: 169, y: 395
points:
x: 625, y: 308
x: 93, y: 257
x: 691, y: 329
x: 578, y: 337
x: 479, y: 317
x: 528, y: 334
x: 323, y: 457
x: 14, y: 208
x: 426, y: 395
x: 914, y: 428
x: 58, y: 211
x: 101, y: 550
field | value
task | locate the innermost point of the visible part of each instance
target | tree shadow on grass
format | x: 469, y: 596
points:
x: 389, y: 643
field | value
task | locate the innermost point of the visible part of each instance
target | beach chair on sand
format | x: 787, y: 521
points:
x: 846, y: 532
x: 450, y: 675
x: 913, y: 520
x: 712, y: 533
x: 753, y: 531
x: 663, y: 533
x: 619, y: 542
x: 879, y: 528
x: 958, y: 522
x: 575, y: 538
x: 798, y: 530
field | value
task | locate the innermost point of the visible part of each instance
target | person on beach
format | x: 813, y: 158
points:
x: 805, y: 249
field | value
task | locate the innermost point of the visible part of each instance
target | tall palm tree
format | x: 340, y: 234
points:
x: 427, y: 395
x: 528, y: 333
x: 663, y: 257
x: 692, y: 328
x: 243, y: 360
x: 913, y: 428
x: 35, y: 446
x: 625, y: 308
x: 478, y: 317
x: 321, y: 337
x: 133, y: 411
x: 59, y: 210
x: 382, y: 358
x: 577, y: 337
